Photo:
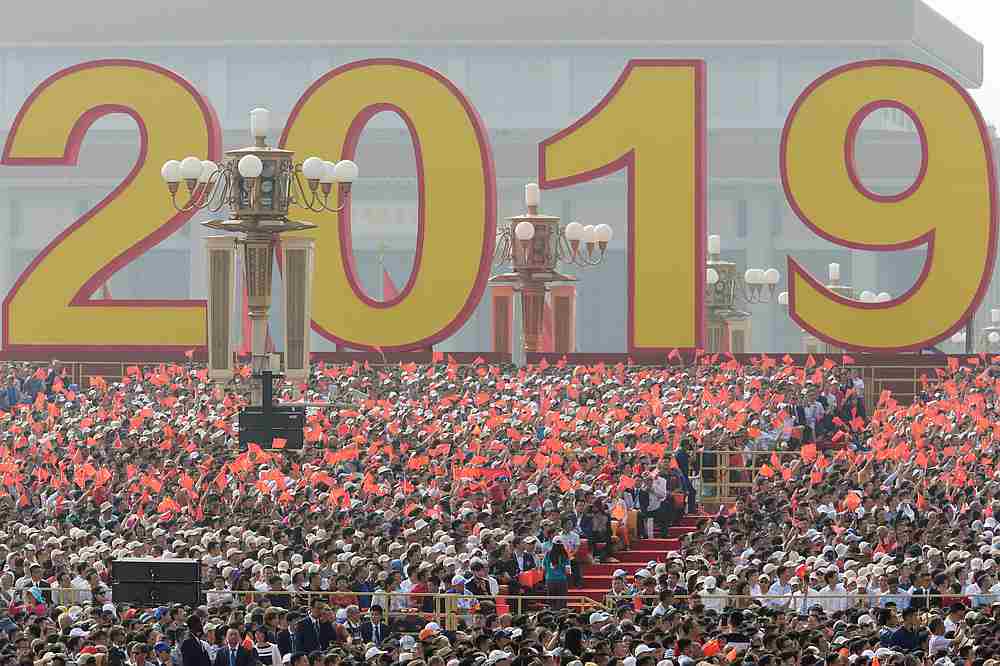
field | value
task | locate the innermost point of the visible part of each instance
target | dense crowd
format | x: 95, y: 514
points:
x: 866, y: 534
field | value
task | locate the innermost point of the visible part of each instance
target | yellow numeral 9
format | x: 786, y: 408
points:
x: 951, y: 208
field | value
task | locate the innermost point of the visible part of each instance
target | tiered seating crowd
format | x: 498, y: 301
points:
x: 443, y: 515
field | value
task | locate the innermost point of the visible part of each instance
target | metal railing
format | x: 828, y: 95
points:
x: 811, y: 598
x: 725, y: 474
x: 445, y: 608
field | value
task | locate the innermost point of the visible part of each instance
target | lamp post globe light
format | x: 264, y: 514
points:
x: 534, y: 245
x: 727, y: 327
x: 257, y: 186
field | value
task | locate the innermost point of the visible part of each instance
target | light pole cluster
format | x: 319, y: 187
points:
x: 726, y: 290
x: 534, y: 245
x: 258, y: 185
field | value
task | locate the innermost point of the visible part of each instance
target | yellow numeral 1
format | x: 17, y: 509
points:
x: 652, y: 124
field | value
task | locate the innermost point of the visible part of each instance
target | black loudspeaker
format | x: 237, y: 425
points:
x: 157, y: 594
x: 154, y: 582
x: 260, y: 426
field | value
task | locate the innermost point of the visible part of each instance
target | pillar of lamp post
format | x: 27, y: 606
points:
x: 534, y: 244
x: 257, y: 185
x: 534, y: 261
x: 727, y: 328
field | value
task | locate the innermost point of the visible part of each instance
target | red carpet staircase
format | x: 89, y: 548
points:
x: 597, y: 577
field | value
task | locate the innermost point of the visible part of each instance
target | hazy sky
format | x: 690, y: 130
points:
x: 979, y: 18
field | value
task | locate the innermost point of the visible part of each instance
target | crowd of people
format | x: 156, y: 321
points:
x: 867, y: 533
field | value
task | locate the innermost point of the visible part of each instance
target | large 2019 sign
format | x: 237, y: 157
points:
x: 652, y: 124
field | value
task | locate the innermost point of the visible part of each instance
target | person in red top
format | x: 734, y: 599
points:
x: 497, y: 491
x: 32, y: 602
x: 342, y: 596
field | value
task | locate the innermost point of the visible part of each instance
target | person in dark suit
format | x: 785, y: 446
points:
x: 374, y: 629
x: 520, y: 561
x: 308, y: 633
x: 800, y: 420
x: 286, y: 637
x: 233, y: 653
x: 193, y: 650
x: 684, y: 466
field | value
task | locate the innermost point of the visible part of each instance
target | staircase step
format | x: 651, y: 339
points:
x: 692, y: 519
x: 656, y: 544
x: 597, y: 581
x: 606, y: 569
x: 642, y: 556
x: 597, y: 577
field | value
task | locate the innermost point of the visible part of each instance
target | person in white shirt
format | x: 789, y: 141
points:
x: 82, y: 587
x: 780, y: 592
x: 713, y: 597
x: 953, y: 620
x: 759, y: 586
x: 937, y: 641
x: 218, y: 595
x: 260, y: 582
x: 268, y: 653
x: 803, y: 596
x: 833, y: 596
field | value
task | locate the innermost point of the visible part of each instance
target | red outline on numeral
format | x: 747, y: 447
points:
x: 346, y: 234
x: 795, y: 269
x: 627, y: 161
x: 350, y: 144
x: 69, y: 158
x: 852, y: 135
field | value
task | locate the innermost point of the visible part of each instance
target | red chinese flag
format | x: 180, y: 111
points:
x: 766, y: 471
x: 278, y: 443
x: 809, y: 453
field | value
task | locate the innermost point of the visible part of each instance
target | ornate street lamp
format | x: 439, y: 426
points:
x: 258, y: 185
x: 534, y: 245
x: 727, y: 326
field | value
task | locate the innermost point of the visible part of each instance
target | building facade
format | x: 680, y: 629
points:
x: 530, y: 69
